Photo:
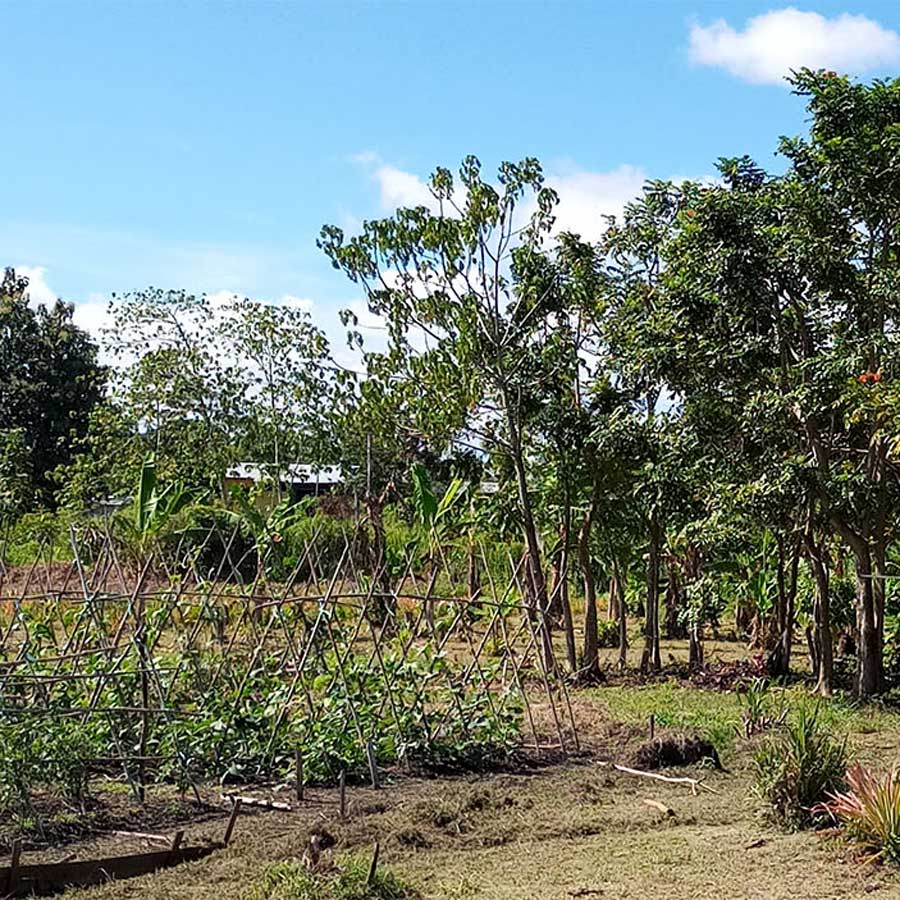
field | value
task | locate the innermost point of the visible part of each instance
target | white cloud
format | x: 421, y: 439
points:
x: 296, y: 302
x: 93, y: 315
x: 399, y: 188
x: 586, y: 197
x: 773, y: 44
x: 396, y: 187
x: 38, y: 289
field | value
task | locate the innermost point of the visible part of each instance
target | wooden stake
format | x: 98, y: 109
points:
x: 343, y: 790
x: 652, y: 726
x: 298, y: 774
x: 176, y: 841
x: 373, y: 764
x: 13, y: 867
x: 373, y: 867
x: 234, y: 814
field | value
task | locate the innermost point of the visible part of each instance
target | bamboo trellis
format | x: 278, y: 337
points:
x: 165, y: 671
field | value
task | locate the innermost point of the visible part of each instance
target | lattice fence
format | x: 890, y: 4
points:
x: 193, y: 661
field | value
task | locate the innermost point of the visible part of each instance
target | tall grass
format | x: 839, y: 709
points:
x: 798, y: 767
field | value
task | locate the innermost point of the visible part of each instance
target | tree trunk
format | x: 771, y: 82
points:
x: 879, y: 571
x: 821, y: 644
x: 590, y: 658
x: 623, y: 619
x: 612, y: 608
x: 651, y: 661
x: 472, y: 574
x: 870, y: 666
x: 695, y: 646
x: 672, y: 627
x: 561, y: 595
x: 535, y: 571
x: 778, y: 662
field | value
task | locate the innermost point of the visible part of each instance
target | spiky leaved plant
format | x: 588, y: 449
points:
x: 869, y: 810
x: 798, y: 767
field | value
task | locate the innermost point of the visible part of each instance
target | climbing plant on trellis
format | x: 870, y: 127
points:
x: 157, y: 669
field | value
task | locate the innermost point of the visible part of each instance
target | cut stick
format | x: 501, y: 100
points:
x: 259, y: 802
x: 145, y: 836
x: 229, y: 828
x: 373, y: 866
x: 692, y: 783
x: 661, y: 807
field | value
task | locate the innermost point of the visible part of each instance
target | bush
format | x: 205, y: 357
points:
x: 607, y: 633
x: 869, y: 811
x: 208, y: 540
x: 798, y: 768
x: 327, y: 536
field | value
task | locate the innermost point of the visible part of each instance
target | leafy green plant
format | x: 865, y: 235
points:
x: 760, y: 713
x: 267, y: 527
x: 798, y: 767
x: 607, y: 633
x: 869, y: 810
x: 153, y: 511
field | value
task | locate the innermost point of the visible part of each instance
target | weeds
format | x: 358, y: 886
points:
x: 758, y: 714
x: 294, y: 881
x: 798, y: 767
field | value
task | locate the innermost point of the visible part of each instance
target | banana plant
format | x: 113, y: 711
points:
x: 435, y: 516
x: 153, y: 509
x: 267, y: 527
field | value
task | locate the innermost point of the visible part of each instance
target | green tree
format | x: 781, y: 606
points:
x: 288, y: 377
x: 466, y: 291
x: 16, y: 490
x: 182, y: 393
x: 782, y: 294
x: 50, y: 380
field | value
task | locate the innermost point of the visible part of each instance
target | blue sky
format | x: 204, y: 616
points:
x: 203, y: 145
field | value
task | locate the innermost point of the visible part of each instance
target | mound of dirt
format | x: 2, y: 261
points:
x: 669, y: 750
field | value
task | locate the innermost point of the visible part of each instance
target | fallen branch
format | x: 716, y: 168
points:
x: 692, y: 783
x: 145, y: 836
x: 259, y: 802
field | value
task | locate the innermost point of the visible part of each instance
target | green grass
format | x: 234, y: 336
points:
x: 716, y: 715
x: 294, y: 881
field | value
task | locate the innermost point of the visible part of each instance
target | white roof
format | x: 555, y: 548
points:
x: 292, y: 473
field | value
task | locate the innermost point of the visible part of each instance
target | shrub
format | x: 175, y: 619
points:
x: 326, y: 536
x: 798, y: 767
x: 759, y: 713
x: 869, y: 811
x: 607, y: 633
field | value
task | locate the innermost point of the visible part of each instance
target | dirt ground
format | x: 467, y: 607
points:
x: 572, y: 829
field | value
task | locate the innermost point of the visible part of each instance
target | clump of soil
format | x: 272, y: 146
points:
x: 669, y: 750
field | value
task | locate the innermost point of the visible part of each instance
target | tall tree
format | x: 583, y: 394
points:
x: 784, y: 294
x: 50, y: 380
x: 466, y: 294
